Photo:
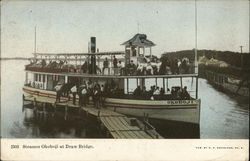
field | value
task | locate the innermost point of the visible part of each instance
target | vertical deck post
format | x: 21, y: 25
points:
x: 196, y: 93
x: 181, y: 81
x: 156, y: 82
x: 147, y: 117
x: 167, y: 82
x: 127, y: 86
x: 164, y: 87
x: 65, y: 112
x: 23, y: 99
x: 98, y: 60
x: 150, y: 52
x: 111, y: 62
x: 54, y: 109
x: 35, y: 107
x: 44, y: 111
x: 26, y: 77
x: 79, y: 110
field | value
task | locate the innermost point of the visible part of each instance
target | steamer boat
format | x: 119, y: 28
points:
x: 47, y: 69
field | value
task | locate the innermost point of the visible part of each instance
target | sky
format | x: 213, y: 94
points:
x: 66, y: 26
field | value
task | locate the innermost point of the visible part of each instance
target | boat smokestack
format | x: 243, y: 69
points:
x: 93, y: 44
x: 92, y: 69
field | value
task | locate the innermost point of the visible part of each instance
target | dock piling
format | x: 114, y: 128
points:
x: 65, y: 112
x: 35, y: 107
x: 53, y: 115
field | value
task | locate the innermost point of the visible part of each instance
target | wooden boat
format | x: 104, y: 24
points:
x: 41, y: 80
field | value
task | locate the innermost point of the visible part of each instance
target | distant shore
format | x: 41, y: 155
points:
x: 15, y: 58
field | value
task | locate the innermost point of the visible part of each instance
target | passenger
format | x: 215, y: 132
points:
x: 112, y: 84
x: 97, y: 85
x: 84, y: 96
x: 60, y: 64
x: 162, y: 92
x: 174, y: 67
x: 32, y: 61
x: 149, y: 69
x: 173, y: 93
x: 90, y: 91
x: 151, y: 92
x: 120, y: 93
x: 58, y: 91
x: 162, y: 69
x: 168, y: 91
x: 84, y: 83
x: 157, y: 91
x: 90, y: 85
x: 102, y: 96
x: 115, y: 92
x: 137, y: 92
x: 120, y: 67
x: 144, y: 93
x: 96, y: 97
x: 115, y: 62
x: 155, y: 70
x: 139, y: 69
x: 79, y: 91
x: 178, y: 66
x: 43, y: 63
x: 74, y: 91
x: 65, y: 89
x: 132, y: 68
x: 106, y: 90
x: 105, y: 65
x: 179, y: 94
x: 186, y: 95
x: 84, y: 67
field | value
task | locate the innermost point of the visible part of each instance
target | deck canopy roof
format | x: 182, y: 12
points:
x: 139, y: 40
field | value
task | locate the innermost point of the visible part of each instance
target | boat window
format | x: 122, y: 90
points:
x: 36, y: 77
x: 44, y: 78
x: 39, y: 76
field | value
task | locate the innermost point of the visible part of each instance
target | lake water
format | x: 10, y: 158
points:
x: 223, y: 116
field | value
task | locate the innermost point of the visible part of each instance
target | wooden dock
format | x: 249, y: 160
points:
x: 118, y: 125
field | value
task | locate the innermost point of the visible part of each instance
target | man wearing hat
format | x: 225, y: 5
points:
x: 58, y: 91
x: 84, y: 95
x: 74, y: 91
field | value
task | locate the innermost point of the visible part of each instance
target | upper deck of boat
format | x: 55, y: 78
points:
x: 80, y: 57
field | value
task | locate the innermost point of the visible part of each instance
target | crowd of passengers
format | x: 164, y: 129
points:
x: 156, y: 93
x: 98, y: 93
x: 166, y: 66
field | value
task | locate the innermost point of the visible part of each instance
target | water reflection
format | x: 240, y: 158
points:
x: 35, y: 127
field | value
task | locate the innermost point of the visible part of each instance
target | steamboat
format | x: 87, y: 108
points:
x: 114, y: 71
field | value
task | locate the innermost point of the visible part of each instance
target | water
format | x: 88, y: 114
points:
x: 222, y: 116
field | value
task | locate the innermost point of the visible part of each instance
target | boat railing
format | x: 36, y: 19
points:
x: 110, y: 71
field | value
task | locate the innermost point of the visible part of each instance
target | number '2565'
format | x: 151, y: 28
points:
x: 14, y: 146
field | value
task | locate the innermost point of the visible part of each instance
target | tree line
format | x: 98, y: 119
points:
x: 234, y: 59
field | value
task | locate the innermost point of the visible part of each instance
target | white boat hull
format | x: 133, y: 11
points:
x: 187, y: 111
x: 175, y: 110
